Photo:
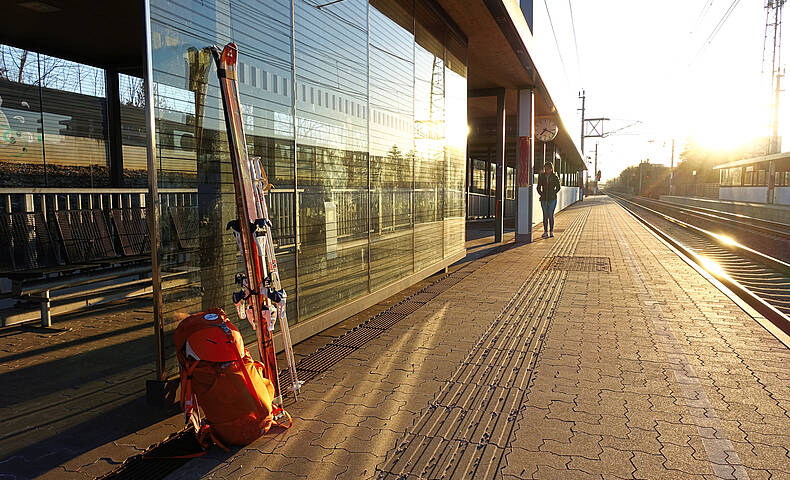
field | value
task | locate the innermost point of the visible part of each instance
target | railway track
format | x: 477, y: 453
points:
x: 761, y: 280
x: 729, y: 220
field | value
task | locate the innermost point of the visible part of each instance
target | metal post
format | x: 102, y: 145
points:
x: 595, y: 171
x: 46, y: 311
x: 114, y: 139
x: 524, y: 196
x: 499, y: 198
x: 153, y: 204
x: 672, y: 168
x: 583, y: 97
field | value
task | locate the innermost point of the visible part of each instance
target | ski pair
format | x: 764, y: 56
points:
x: 262, y: 299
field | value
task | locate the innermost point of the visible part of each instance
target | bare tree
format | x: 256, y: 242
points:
x: 22, y: 62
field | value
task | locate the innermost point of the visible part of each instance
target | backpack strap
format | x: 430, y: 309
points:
x: 188, y: 399
x: 250, y: 386
x: 244, y: 372
x: 290, y: 421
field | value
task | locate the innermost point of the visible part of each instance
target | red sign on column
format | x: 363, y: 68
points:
x: 524, y: 162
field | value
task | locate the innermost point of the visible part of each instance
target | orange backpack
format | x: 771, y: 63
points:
x: 219, y: 377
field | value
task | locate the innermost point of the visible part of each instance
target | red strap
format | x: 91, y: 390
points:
x: 245, y: 373
x: 290, y: 421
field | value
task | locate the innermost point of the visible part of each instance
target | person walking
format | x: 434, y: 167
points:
x: 548, y: 186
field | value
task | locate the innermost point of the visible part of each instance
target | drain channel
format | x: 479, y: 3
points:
x: 341, y: 347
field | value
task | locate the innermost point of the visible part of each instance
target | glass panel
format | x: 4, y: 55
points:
x: 391, y: 142
x: 510, y: 181
x: 133, y: 136
x: 429, y: 165
x: 491, y: 178
x: 200, y: 257
x: 353, y: 210
x: 748, y: 177
x: 332, y: 155
x: 74, y: 123
x: 455, y: 154
x: 478, y: 176
x: 21, y: 141
x: 52, y: 120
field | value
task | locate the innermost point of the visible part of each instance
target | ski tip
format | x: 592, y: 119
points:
x: 229, y: 54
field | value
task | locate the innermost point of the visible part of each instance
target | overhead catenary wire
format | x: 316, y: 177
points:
x: 705, y: 9
x: 716, y: 29
x: 556, y: 42
x: 575, y: 43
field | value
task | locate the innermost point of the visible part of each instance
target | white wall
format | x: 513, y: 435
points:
x: 782, y: 195
x: 744, y: 194
x: 565, y: 197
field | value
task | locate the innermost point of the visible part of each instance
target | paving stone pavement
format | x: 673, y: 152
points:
x: 644, y: 371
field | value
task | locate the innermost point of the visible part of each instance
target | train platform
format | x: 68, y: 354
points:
x: 599, y: 353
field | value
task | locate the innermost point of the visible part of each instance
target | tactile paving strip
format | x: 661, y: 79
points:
x: 465, y: 431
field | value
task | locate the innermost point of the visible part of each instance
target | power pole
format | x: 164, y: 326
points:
x: 641, y: 162
x: 671, y: 167
x: 776, y: 146
x: 773, y: 40
x: 595, y: 171
x: 587, y: 183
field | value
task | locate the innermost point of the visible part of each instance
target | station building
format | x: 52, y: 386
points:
x: 385, y: 126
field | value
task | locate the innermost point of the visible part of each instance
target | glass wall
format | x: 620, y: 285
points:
x: 332, y: 153
x: 391, y: 141
x: 54, y: 124
x: 193, y: 159
x: 358, y: 111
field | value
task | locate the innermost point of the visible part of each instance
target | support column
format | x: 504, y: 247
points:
x: 114, y: 140
x: 524, y: 196
x: 499, y: 196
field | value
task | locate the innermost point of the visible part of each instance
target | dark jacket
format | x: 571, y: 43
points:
x: 548, y: 186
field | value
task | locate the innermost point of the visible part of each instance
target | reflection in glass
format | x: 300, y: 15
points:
x: 391, y: 142
x: 429, y: 139
x: 195, y: 184
x: 366, y: 142
x: 332, y: 153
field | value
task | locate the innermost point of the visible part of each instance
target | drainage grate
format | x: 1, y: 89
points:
x: 578, y: 264
x: 358, y: 337
x: 324, y: 358
x: 424, y: 297
x: 406, y: 307
x: 159, y: 460
x: 384, y: 321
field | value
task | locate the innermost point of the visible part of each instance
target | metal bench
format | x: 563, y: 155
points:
x: 85, y: 258
x: 185, y: 221
x: 85, y: 235
x: 74, y: 249
x: 132, y: 228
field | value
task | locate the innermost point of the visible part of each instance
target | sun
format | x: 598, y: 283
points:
x: 715, y: 128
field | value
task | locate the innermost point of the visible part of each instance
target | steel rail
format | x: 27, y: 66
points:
x: 745, y: 292
x: 761, y: 225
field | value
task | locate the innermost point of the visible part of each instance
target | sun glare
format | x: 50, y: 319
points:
x: 717, y: 125
x: 726, y: 239
x: 712, y: 266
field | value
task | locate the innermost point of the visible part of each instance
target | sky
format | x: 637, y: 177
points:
x: 655, y: 65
